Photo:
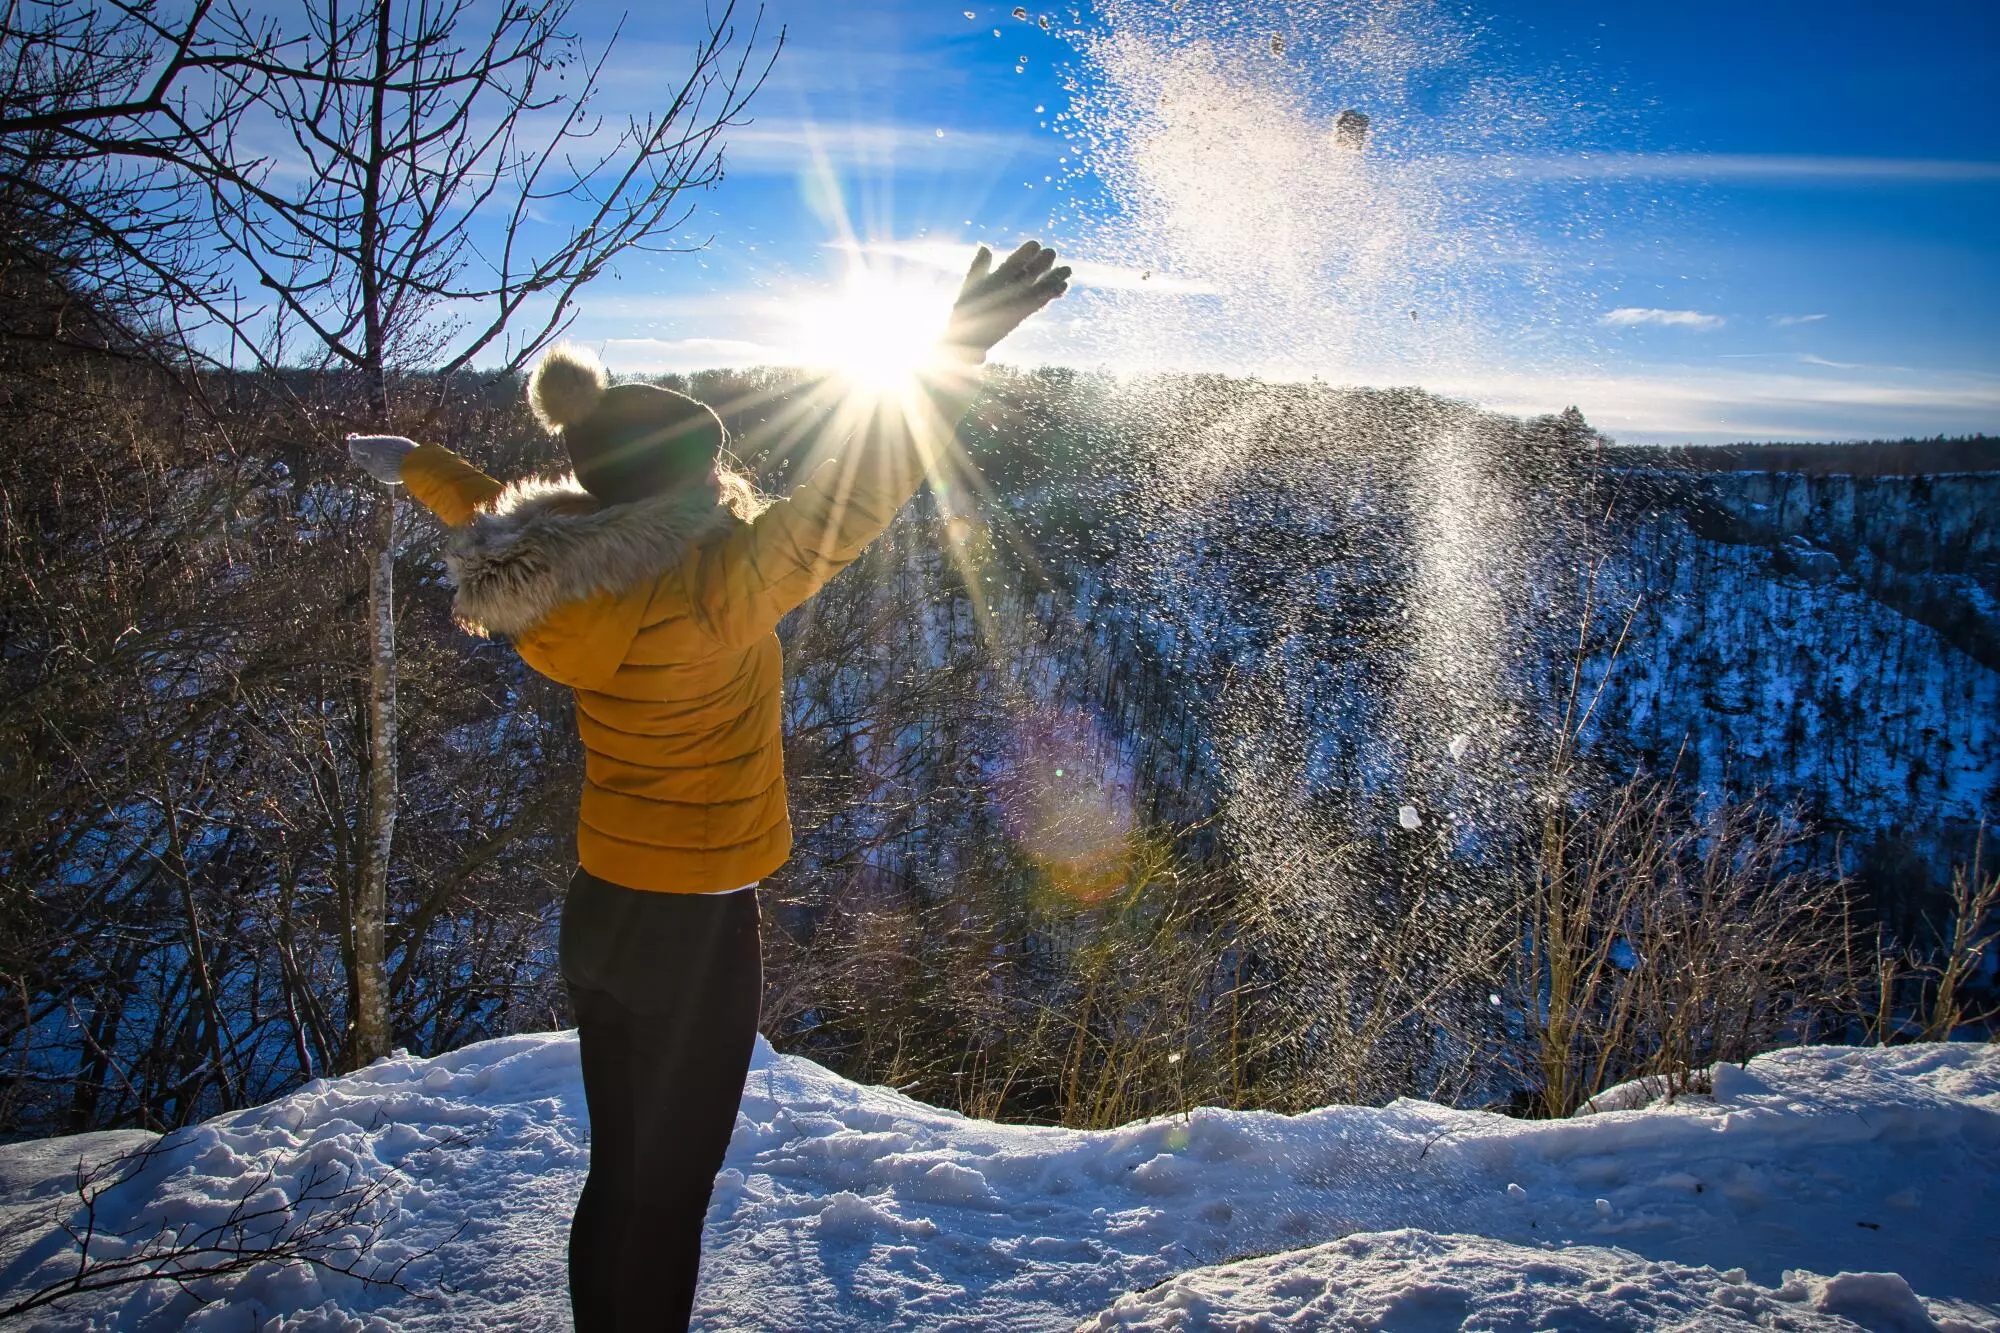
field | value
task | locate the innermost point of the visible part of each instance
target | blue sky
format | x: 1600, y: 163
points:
x: 1700, y: 221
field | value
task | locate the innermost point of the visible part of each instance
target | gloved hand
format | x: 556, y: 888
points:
x: 994, y: 301
x: 380, y: 456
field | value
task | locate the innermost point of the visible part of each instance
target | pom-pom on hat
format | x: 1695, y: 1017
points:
x: 567, y: 384
x: 627, y: 441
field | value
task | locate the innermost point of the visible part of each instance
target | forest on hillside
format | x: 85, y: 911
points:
x: 1178, y: 766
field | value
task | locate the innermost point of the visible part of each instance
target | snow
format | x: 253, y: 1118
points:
x: 1818, y: 1188
x: 1413, y: 1279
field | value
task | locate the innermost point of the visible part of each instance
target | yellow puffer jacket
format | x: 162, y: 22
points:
x: 661, y: 616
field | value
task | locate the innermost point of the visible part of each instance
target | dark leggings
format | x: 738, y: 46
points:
x: 665, y: 988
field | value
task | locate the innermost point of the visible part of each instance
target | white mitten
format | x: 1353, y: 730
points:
x: 380, y: 456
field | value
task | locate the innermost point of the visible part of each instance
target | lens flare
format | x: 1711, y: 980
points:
x: 1066, y: 799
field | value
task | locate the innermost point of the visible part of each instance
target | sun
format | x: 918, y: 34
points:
x: 880, y: 330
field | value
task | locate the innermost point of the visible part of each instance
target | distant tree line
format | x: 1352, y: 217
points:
x: 1928, y: 456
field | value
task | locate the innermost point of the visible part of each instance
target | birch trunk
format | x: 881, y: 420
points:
x: 369, y: 1020
x: 368, y: 1005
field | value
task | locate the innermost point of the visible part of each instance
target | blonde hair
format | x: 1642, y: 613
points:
x: 739, y: 494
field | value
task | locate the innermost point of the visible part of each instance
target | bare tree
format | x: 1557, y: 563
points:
x: 425, y: 154
x: 185, y: 740
x: 110, y: 115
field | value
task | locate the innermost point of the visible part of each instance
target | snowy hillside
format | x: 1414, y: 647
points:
x: 1831, y: 640
x: 846, y: 1207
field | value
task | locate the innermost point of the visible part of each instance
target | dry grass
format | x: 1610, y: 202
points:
x: 1928, y: 989
x: 1973, y: 929
x: 1018, y: 1000
x: 1659, y: 938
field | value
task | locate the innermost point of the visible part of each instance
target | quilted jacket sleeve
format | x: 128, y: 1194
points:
x: 446, y: 484
x: 743, y: 585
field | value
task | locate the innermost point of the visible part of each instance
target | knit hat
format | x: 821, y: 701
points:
x: 627, y: 441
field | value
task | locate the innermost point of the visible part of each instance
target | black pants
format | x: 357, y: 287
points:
x: 665, y: 988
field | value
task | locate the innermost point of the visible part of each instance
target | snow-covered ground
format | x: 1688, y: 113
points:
x: 1783, y: 1201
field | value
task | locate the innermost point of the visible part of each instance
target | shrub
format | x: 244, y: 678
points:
x: 1658, y: 939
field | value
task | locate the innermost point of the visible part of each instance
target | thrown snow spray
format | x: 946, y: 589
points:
x: 1363, y: 577
x: 1330, y: 206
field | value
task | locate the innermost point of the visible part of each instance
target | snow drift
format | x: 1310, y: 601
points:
x: 1821, y: 1188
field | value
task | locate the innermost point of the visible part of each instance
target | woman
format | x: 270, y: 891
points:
x: 652, y: 583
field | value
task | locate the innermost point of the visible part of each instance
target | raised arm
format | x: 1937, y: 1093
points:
x: 438, y: 479
x: 745, y: 584
x: 742, y: 586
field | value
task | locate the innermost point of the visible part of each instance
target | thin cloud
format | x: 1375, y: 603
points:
x: 1772, y: 167
x: 789, y: 146
x: 618, y: 305
x: 1678, y: 403
x: 639, y: 67
x: 952, y: 257
x: 1633, y: 316
x: 653, y: 356
x: 1805, y: 359
x: 1787, y: 321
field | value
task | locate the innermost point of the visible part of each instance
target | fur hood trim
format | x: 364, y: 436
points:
x: 541, y: 545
